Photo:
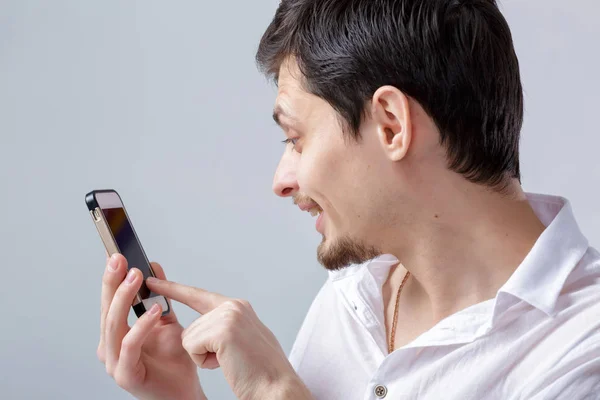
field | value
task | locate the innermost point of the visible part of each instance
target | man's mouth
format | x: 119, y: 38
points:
x: 307, y: 204
x: 316, y: 210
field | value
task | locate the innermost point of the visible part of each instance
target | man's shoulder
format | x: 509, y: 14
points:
x: 584, y: 279
x: 578, y: 308
x: 568, y: 357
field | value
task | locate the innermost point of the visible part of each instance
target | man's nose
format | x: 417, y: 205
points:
x: 284, y: 182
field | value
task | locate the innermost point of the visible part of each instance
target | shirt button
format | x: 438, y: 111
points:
x: 380, y: 391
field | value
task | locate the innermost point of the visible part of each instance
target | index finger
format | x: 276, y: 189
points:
x: 159, y: 272
x: 200, y: 300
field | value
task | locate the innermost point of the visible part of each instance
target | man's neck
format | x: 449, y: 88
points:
x: 464, y: 251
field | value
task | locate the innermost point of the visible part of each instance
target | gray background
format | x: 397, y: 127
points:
x: 162, y: 101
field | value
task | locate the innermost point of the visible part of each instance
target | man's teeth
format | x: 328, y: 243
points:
x: 315, y: 211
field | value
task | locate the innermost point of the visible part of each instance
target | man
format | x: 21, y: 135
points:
x: 402, y: 122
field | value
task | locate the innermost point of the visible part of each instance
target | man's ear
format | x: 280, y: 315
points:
x: 390, y: 110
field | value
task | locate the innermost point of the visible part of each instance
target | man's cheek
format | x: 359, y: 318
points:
x: 307, y: 172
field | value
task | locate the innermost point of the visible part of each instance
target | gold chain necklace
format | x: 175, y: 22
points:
x: 395, y: 320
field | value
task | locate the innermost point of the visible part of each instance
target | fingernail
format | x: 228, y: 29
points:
x: 112, y: 263
x: 152, y: 280
x: 155, y: 309
x: 130, y: 276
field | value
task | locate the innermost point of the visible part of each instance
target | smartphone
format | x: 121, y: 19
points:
x: 117, y: 234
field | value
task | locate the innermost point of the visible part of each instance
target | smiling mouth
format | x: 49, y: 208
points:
x: 307, y: 204
x: 315, y: 211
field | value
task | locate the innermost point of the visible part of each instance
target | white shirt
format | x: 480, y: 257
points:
x: 539, y: 338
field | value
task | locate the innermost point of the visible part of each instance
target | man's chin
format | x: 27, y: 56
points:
x: 335, y: 255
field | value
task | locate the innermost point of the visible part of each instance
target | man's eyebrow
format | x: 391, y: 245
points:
x: 278, y: 111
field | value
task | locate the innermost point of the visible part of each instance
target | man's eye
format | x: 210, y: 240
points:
x: 292, y: 141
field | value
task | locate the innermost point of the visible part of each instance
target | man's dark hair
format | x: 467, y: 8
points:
x: 454, y: 57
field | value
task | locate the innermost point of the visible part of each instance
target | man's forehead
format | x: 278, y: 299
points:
x: 289, y: 76
x: 288, y: 91
x: 292, y: 98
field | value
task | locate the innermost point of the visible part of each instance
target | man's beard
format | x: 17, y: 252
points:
x: 344, y: 252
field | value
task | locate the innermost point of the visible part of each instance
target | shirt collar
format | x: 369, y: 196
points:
x: 539, y: 279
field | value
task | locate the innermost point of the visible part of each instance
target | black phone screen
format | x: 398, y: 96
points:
x: 128, y: 245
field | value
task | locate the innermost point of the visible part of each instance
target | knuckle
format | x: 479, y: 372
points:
x: 109, y: 369
x: 125, y: 290
x: 100, y: 353
x: 231, y: 316
x: 123, y: 381
x: 236, y: 310
x: 229, y: 304
x: 107, y: 279
x: 245, y: 304
x: 127, y: 345
x: 237, y: 305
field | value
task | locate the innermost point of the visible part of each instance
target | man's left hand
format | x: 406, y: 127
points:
x: 230, y: 335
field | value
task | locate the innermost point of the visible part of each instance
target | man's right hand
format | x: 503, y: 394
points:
x: 147, y: 359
